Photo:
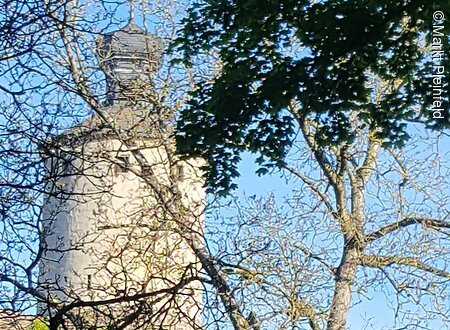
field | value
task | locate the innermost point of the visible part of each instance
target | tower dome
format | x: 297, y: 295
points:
x: 129, y: 57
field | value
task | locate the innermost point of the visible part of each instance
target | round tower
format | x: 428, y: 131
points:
x: 121, y: 207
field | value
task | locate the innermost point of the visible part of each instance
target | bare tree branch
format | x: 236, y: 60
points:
x: 387, y: 261
x: 408, y: 221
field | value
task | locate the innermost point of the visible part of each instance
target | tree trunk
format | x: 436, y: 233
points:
x: 342, y: 298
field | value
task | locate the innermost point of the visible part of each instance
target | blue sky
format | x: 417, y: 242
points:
x: 375, y: 307
x: 250, y: 184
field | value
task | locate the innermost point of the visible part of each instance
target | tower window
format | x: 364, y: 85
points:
x: 66, y: 166
x: 123, y: 164
x: 180, y: 172
x: 89, y: 280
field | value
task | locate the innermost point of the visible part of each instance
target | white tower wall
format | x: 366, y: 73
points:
x: 108, y: 236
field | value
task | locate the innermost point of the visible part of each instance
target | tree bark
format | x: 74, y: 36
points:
x: 352, y: 226
x: 342, y: 298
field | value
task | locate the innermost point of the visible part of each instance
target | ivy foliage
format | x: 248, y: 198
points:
x: 38, y: 324
x: 322, y: 55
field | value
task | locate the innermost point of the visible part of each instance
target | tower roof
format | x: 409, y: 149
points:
x: 130, y: 41
x: 129, y: 57
x: 132, y: 122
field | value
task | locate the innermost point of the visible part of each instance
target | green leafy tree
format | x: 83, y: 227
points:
x: 324, y: 56
x: 330, y: 92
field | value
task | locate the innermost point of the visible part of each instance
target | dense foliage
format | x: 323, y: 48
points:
x: 327, y: 57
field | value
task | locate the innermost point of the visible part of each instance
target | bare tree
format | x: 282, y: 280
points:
x: 72, y: 146
x: 361, y: 223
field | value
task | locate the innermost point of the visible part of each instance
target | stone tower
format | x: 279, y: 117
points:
x: 121, y: 208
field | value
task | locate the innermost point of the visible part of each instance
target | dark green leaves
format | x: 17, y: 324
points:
x: 331, y: 58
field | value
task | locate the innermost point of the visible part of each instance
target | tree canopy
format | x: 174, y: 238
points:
x: 330, y: 58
